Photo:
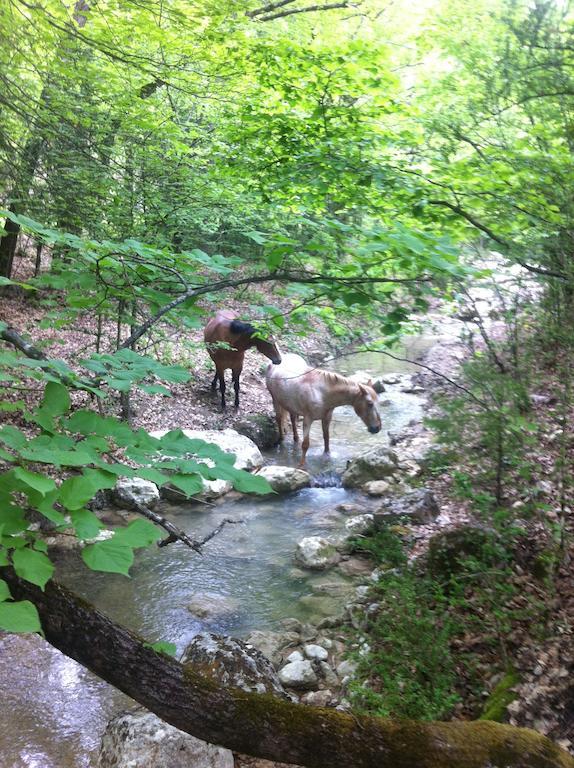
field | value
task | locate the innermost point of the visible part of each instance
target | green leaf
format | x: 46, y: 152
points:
x: 56, y: 399
x: 12, y: 518
x: 162, y: 646
x: 39, y: 483
x: 139, y: 533
x: 19, y: 617
x: 155, y: 389
x: 13, y: 437
x: 77, y: 491
x: 85, y: 523
x: 189, y: 484
x: 108, y: 556
x: 4, y: 591
x: 153, y: 475
x: 32, y: 566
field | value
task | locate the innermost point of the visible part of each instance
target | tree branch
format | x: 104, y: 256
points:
x: 268, y: 8
x: 264, y: 725
x: 497, y: 238
x: 281, y: 277
x: 306, y: 9
x: 175, y: 533
x: 13, y: 337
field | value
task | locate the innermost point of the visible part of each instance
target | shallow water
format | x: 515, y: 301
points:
x: 53, y: 711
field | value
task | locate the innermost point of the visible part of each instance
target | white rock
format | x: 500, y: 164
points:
x: 210, y: 605
x: 317, y: 698
x: 129, y: 489
x: 139, y: 739
x: 299, y: 675
x: 316, y: 553
x: 360, y: 523
x: 376, y: 487
x: 295, y: 656
x: 247, y: 454
x: 377, y: 464
x: 285, y: 479
x: 315, y: 652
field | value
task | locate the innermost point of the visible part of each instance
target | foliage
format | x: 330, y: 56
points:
x: 90, y: 452
x: 408, y: 670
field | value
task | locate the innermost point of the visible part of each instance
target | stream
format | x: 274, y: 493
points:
x: 54, y: 711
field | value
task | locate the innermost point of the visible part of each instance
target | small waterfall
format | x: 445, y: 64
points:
x: 327, y: 479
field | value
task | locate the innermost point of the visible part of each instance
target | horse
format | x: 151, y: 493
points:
x: 227, y: 338
x: 313, y: 393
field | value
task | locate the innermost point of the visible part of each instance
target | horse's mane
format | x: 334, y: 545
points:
x: 336, y: 378
x: 244, y: 329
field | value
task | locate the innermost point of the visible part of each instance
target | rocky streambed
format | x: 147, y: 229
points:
x: 283, y: 580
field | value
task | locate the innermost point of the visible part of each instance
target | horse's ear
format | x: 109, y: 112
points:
x: 370, y: 383
x: 363, y: 389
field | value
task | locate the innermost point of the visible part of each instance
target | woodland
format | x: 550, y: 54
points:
x: 334, y: 170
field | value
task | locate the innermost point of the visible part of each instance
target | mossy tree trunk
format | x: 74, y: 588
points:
x: 265, y: 726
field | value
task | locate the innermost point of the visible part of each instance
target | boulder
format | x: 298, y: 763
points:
x: 139, y: 739
x: 318, y: 698
x: 285, y: 479
x: 377, y: 464
x: 360, y: 523
x: 316, y: 553
x: 209, y: 605
x: 417, y: 507
x: 376, y: 487
x: 260, y: 428
x: 449, y: 548
x: 233, y: 663
x: 247, y: 454
x: 317, y: 652
x: 130, y: 489
x: 275, y: 646
x: 299, y: 675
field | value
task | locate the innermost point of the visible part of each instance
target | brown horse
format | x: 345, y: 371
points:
x: 314, y: 394
x: 227, y: 339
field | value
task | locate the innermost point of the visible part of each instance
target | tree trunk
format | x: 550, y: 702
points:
x: 8, y: 244
x: 261, y: 724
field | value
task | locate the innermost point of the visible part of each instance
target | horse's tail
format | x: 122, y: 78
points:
x: 241, y: 328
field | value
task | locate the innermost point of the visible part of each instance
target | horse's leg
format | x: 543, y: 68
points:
x: 326, y: 423
x: 214, y: 382
x: 221, y: 376
x: 307, y: 421
x: 278, y: 419
x: 294, y: 426
x: 235, y: 374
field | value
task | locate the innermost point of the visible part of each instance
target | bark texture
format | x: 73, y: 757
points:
x: 263, y: 725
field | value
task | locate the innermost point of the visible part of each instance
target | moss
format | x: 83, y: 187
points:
x: 500, y: 698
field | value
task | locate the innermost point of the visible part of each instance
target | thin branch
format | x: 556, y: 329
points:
x: 420, y: 365
x: 306, y: 9
x: 175, y: 533
x: 268, y: 8
x: 11, y: 336
x: 497, y: 238
x: 281, y: 277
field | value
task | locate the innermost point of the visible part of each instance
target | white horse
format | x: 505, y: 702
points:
x: 299, y: 390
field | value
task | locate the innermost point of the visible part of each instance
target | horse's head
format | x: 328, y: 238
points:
x: 251, y: 338
x: 366, y: 408
x: 268, y: 348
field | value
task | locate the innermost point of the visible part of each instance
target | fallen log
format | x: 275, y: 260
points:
x: 263, y: 725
